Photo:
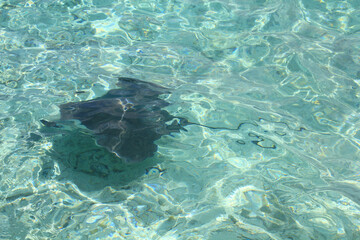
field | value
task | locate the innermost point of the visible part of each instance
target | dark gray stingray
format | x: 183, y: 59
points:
x: 126, y: 121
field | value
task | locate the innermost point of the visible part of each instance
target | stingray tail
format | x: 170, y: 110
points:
x: 177, y: 125
x: 184, y: 122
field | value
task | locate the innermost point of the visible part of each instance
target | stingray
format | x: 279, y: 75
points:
x: 126, y: 121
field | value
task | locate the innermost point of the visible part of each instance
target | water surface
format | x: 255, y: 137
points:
x: 277, y: 81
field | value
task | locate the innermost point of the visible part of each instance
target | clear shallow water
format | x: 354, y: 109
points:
x: 283, y: 75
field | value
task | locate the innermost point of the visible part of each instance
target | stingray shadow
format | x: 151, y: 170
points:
x: 75, y: 157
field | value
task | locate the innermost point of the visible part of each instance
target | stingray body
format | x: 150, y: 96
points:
x: 126, y: 121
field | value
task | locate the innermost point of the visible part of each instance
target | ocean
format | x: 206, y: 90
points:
x: 273, y: 86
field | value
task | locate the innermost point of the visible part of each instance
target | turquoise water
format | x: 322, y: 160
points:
x: 278, y: 80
